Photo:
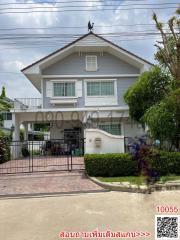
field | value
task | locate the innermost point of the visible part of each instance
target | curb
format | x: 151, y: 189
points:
x: 44, y: 195
x: 127, y: 187
x: 168, y: 186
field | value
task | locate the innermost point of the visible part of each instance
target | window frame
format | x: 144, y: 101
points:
x: 5, y: 116
x: 63, y: 82
x: 91, y: 69
x: 101, y: 80
x: 110, y: 124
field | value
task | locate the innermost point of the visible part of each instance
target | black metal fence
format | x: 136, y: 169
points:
x: 42, y: 156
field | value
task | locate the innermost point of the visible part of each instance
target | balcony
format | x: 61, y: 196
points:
x: 24, y: 104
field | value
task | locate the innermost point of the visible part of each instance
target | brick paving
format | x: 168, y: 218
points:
x: 56, y: 180
x: 46, y: 183
x: 42, y: 163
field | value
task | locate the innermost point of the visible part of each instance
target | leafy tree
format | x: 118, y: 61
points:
x: 4, y: 105
x: 155, y: 98
x: 168, y: 50
x: 163, y: 118
x: 3, y: 94
x: 151, y: 87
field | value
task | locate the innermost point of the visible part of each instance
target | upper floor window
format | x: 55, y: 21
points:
x: 91, y: 63
x: 100, y: 88
x: 65, y: 89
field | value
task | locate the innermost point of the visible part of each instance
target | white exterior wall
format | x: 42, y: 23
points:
x: 109, y: 143
x: 7, y: 124
x: 133, y: 130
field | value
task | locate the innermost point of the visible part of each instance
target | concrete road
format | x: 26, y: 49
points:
x: 44, y: 217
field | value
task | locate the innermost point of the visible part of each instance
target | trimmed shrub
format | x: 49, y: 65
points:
x: 164, y: 163
x: 110, y: 165
x: 167, y: 163
x: 4, y: 150
x: 122, y: 164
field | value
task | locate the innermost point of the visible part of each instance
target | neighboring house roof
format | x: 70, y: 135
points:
x: 82, y: 37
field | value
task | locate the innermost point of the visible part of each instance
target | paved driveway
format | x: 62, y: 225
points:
x: 44, y: 218
x: 46, y: 183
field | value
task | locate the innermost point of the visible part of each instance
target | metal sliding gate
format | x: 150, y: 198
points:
x: 43, y: 156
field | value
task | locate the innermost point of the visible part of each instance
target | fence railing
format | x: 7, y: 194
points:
x: 27, y: 103
x: 42, y: 156
x: 132, y: 144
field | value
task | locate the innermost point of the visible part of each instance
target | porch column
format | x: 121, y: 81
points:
x: 16, y: 146
x: 25, y: 131
x: 122, y: 128
x: 16, y: 124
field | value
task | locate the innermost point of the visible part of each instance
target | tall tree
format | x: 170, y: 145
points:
x: 3, y: 93
x: 4, y: 105
x: 152, y: 99
x: 168, y: 50
x: 162, y: 119
x: 151, y: 87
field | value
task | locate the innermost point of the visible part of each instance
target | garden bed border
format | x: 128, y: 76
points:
x: 127, y: 187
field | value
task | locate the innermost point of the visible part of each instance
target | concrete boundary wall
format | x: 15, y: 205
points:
x: 99, y: 141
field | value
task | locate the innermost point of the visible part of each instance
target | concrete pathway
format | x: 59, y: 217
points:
x: 46, y: 183
x: 43, y: 218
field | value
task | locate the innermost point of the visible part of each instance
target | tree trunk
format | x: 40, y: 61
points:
x: 178, y: 65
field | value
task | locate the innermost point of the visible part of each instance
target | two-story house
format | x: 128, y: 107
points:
x: 82, y: 87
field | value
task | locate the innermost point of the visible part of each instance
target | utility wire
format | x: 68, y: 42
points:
x: 57, y: 47
x: 90, y: 10
x: 33, y: 43
x: 55, y: 41
x: 65, y: 36
x: 93, y: 6
x: 79, y: 27
x: 55, y: 2
x: 80, y: 34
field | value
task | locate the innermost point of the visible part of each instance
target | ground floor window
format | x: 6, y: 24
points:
x: 112, y: 128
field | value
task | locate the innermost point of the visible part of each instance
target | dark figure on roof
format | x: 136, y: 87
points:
x: 90, y: 26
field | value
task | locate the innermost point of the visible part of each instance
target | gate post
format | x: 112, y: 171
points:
x: 16, y: 150
x: 83, y: 146
x: 68, y: 163
x: 71, y: 158
x: 32, y: 156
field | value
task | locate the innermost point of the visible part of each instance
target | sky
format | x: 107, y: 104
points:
x: 16, y: 54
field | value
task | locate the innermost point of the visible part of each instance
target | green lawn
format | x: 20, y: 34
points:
x: 169, y: 178
x: 139, y: 180
x: 132, y: 179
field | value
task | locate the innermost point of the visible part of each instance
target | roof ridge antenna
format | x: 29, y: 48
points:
x: 90, y: 26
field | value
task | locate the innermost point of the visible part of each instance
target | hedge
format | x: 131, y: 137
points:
x: 166, y: 163
x: 110, y: 165
x: 4, y: 150
x: 122, y: 164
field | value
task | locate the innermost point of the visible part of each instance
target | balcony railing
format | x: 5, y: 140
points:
x: 27, y: 103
